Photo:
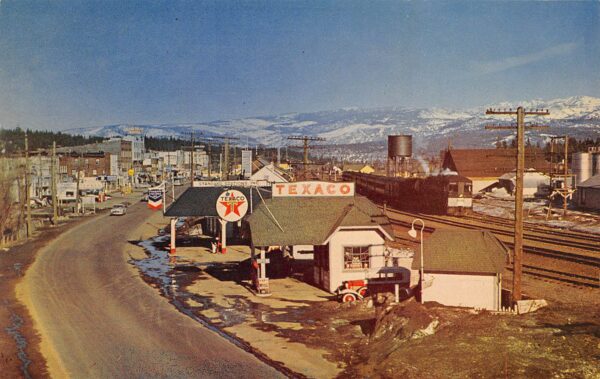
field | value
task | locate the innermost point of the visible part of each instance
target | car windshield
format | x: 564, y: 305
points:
x: 118, y: 206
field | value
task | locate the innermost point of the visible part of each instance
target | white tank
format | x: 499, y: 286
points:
x: 582, y: 167
x: 596, y: 160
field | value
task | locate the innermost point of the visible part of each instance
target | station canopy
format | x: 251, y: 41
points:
x: 312, y: 220
x: 201, y: 201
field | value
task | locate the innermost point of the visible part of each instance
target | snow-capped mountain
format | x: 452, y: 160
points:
x: 432, y: 128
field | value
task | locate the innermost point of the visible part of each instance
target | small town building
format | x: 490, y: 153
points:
x: 270, y: 174
x: 485, y: 166
x: 587, y: 195
x: 534, y: 183
x: 463, y: 268
x: 348, y: 233
x: 90, y: 164
x: 358, y: 167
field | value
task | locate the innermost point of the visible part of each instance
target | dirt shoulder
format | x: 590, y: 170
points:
x: 20, y: 352
x: 20, y: 344
x: 308, y: 331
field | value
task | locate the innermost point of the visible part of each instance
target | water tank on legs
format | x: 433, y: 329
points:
x: 400, y: 146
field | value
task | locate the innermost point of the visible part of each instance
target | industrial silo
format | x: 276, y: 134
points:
x: 399, y: 153
x: 582, y: 167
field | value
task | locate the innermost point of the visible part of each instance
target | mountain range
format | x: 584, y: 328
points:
x: 362, y: 133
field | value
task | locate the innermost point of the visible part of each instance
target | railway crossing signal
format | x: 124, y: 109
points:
x: 518, y: 248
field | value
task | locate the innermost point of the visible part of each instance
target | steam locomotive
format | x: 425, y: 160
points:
x: 438, y: 195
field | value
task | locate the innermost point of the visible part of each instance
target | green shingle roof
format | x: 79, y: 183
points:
x: 464, y: 251
x: 311, y: 220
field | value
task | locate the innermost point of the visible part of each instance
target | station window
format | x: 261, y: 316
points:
x: 97, y: 162
x: 356, y: 257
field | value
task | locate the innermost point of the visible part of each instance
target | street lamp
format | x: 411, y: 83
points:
x: 413, y: 233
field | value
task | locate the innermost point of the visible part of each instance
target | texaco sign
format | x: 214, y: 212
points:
x: 232, y: 205
x: 312, y: 189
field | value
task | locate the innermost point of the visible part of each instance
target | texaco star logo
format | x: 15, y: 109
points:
x: 232, y: 205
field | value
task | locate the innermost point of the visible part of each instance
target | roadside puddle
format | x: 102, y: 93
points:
x: 161, y: 269
x: 21, y: 342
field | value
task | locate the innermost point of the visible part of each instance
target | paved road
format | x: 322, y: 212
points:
x: 103, y: 321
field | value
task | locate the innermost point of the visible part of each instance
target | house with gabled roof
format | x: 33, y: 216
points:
x: 270, y: 174
x: 485, y: 166
x: 348, y: 234
x: 463, y: 268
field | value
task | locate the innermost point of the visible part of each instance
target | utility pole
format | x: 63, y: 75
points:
x: 223, y: 157
x: 54, y: 197
x: 305, y: 140
x: 209, y: 160
x: 78, y: 173
x: 225, y: 174
x: 518, y: 246
x: 192, y: 162
x: 27, y: 180
x: 566, y: 182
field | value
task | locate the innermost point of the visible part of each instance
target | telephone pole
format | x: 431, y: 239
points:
x: 27, y: 200
x: 209, y: 160
x: 77, y: 191
x: 224, y: 157
x: 518, y: 246
x: 192, y: 162
x: 54, y: 197
x: 305, y: 140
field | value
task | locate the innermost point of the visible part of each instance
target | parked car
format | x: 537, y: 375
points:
x: 118, y: 210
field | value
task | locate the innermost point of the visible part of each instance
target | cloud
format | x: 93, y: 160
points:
x: 490, y: 67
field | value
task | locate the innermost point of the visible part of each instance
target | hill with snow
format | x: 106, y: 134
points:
x: 356, y: 129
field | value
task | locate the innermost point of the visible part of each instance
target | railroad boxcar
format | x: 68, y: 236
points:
x: 442, y: 194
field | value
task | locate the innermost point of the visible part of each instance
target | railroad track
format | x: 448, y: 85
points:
x: 561, y: 276
x: 535, y: 271
x: 547, y: 238
x: 550, y: 253
x: 537, y: 228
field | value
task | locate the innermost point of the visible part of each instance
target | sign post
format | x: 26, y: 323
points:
x: 172, y: 247
x: 232, y: 206
x: 155, y: 198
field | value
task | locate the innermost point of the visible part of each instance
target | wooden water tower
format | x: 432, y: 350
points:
x: 399, y: 155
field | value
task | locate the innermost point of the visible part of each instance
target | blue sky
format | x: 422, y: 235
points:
x: 66, y: 64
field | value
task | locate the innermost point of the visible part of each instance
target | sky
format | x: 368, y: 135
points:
x: 67, y: 64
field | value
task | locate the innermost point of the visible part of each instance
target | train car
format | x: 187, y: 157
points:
x: 441, y: 195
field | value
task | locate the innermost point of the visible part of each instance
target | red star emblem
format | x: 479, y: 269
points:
x: 232, y: 205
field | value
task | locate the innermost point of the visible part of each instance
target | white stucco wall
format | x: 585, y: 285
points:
x: 461, y: 290
x: 340, y: 239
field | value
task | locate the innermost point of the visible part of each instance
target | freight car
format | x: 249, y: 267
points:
x: 440, y: 195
